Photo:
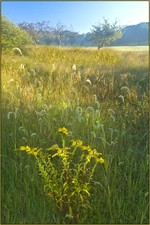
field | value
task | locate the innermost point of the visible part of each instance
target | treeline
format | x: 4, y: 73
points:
x: 43, y: 33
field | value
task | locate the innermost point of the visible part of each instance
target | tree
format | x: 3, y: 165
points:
x: 69, y: 37
x: 37, y: 30
x: 12, y: 36
x: 59, y: 32
x: 105, y: 33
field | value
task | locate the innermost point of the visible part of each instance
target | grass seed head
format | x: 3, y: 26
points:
x: 17, y: 51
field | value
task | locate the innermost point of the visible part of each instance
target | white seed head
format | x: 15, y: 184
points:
x: 33, y: 71
x: 17, y: 50
x: 112, y: 118
x: 74, y: 67
x: 53, y: 67
x: 98, y: 104
x: 89, y: 109
x: 86, y: 88
x: 22, y: 67
x: 9, y: 114
x: 88, y: 82
x: 95, y: 97
x: 121, y: 97
x: 125, y: 89
x: 33, y: 134
x: 97, y: 113
x: 111, y: 111
x: 11, y: 80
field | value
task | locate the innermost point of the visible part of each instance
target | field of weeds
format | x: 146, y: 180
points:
x: 101, y: 98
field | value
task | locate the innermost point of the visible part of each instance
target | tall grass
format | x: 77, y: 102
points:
x: 43, y: 91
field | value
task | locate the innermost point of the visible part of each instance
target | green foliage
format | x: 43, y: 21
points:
x: 102, y: 98
x: 105, y: 33
x: 12, y: 36
x: 67, y: 172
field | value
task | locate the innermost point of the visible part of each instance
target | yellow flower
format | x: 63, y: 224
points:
x: 77, y: 143
x: 94, y: 153
x: 88, y: 158
x: 33, y: 151
x: 86, y: 148
x: 100, y: 160
x: 23, y: 148
x: 63, y: 130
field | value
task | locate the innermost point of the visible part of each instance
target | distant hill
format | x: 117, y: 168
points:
x: 134, y: 35
x: 15, y: 35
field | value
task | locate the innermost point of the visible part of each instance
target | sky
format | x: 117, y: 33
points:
x: 78, y: 15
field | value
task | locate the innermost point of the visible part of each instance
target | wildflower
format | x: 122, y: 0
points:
x: 88, y: 158
x: 62, y: 152
x: 86, y: 148
x: 94, y: 153
x: 63, y: 130
x: 33, y: 151
x: 100, y: 160
x: 53, y: 147
x: 77, y: 143
x: 23, y: 148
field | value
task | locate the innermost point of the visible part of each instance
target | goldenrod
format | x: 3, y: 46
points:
x: 63, y: 130
x: 23, y: 148
x: 77, y: 143
x: 100, y: 160
x: 86, y: 148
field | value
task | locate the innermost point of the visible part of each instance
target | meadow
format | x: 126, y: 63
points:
x: 101, y: 97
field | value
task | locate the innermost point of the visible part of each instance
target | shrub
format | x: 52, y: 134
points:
x: 12, y: 36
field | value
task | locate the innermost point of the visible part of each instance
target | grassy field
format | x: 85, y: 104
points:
x: 101, y: 97
x: 130, y: 48
x: 121, y: 48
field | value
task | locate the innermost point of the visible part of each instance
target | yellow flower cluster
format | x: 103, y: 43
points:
x: 87, y: 153
x: 62, y: 152
x: 91, y: 153
x: 77, y: 143
x: 31, y: 151
x: 63, y: 130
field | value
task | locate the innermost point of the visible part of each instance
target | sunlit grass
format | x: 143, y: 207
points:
x: 102, y: 100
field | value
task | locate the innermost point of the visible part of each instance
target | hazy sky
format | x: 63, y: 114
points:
x: 81, y: 15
